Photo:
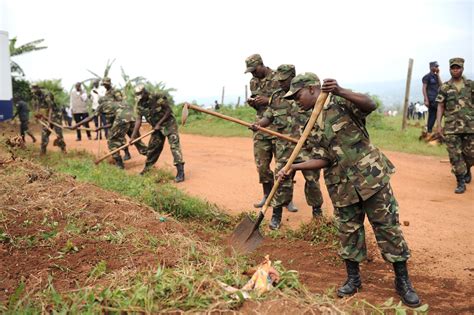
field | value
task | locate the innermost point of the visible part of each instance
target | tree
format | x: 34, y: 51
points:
x: 55, y: 86
x: 21, y: 50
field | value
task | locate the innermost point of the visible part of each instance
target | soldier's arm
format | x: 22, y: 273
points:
x: 165, y: 117
x: 138, y: 124
x: 361, y: 101
x: 82, y: 122
x: 439, y: 116
x: 314, y: 164
x: 425, y: 94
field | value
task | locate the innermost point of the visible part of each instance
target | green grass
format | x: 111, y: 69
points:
x: 385, y: 132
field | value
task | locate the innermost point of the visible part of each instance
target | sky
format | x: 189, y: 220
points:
x: 197, y: 47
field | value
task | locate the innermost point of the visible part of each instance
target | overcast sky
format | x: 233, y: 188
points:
x: 199, y: 46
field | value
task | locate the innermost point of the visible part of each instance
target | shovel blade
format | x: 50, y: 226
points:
x: 184, y: 114
x: 246, y: 236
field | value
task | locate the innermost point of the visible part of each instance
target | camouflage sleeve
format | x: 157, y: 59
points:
x: 441, y: 94
x: 268, y: 113
x: 320, y: 153
x: 253, y: 87
x: 352, y: 107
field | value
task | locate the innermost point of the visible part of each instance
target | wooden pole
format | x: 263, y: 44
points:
x: 246, y: 94
x: 222, y: 99
x: 238, y: 102
x: 407, y: 94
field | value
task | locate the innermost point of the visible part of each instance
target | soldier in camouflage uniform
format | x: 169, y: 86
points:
x: 287, y: 118
x: 45, y: 106
x: 23, y: 113
x: 456, y: 101
x: 262, y: 86
x: 120, y: 117
x: 157, y: 112
x: 357, y: 176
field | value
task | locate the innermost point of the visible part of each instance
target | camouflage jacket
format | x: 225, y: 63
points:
x: 108, y: 104
x: 43, y: 102
x: 279, y: 111
x: 263, y: 87
x: 153, y: 109
x: 356, y: 167
x: 459, y: 107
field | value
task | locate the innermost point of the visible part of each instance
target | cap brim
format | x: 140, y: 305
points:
x: 456, y: 64
x: 250, y: 69
x: 291, y: 94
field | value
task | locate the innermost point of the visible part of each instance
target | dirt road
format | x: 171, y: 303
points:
x: 440, y: 235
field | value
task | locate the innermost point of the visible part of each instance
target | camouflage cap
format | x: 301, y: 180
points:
x: 252, y: 62
x: 302, y: 80
x: 456, y: 62
x: 106, y: 80
x: 285, y: 71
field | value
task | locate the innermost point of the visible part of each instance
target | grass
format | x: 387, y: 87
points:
x: 385, y: 132
x: 190, y: 284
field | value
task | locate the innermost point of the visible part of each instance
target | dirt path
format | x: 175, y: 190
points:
x: 439, y: 234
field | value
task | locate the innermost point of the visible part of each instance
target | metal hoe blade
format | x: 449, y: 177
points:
x: 246, y: 236
x: 184, y: 114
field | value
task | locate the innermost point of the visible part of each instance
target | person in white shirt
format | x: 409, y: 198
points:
x: 96, y: 94
x: 78, y: 105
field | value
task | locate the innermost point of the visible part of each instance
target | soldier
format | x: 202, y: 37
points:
x: 456, y: 102
x: 45, y: 106
x: 157, y: 112
x: 287, y: 118
x: 262, y: 85
x: 23, y: 113
x: 357, y: 176
x: 120, y: 119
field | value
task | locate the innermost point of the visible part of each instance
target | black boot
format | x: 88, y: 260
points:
x: 32, y: 137
x: 403, y: 285
x: 180, y: 174
x: 146, y: 169
x: 353, y: 282
x: 119, y: 162
x: 267, y: 188
x: 461, y: 187
x: 292, y: 207
x: 317, y: 212
x: 127, y: 155
x: 468, y: 177
x: 276, y: 218
x: 43, y: 150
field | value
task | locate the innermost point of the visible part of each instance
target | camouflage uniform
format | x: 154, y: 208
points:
x: 153, y: 108
x: 43, y: 101
x: 357, y: 178
x: 263, y: 144
x: 288, y: 119
x: 120, y: 116
x: 458, y: 123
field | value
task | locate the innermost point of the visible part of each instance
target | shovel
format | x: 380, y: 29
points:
x: 247, y: 236
x: 124, y: 146
x: 184, y: 117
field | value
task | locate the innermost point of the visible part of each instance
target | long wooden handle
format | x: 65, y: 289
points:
x: 124, y: 146
x: 45, y: 125
x: 241, y: 122
x: 62, y: 127
x: 322, y: 100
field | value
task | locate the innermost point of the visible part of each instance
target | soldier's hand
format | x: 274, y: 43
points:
x: 261, y: 100
x: 439, y: 129
x: 254, y: 127
x: 282, y: 175
x: 331, y: 86
x: 251, y: 101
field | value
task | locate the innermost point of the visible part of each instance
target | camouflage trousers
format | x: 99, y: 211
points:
x: 382, y: 212
x: 59, y: 141
x: 284, y: 194
x: 117, y: 134
x: 263, y: 151
x: 157, y: 141
x: 461, y: 152
x: 141, y: 147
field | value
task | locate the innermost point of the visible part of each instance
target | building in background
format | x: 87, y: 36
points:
x: 6, y: 102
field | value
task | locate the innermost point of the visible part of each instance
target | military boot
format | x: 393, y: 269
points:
x: 146, y: 169
x: 468, y: 177
x: 317, y: 212
x: 32, y: 137
x: 267, y: 188
x: 127, y: 155
x: 292, y: 207
x: 353, y: 282
x: 403, y: 285
x: 276, y: 218
x: 180, y: 174
x: 461, y: 187
x: 119, y: 162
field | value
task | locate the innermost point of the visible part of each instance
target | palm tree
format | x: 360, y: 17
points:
x: 21, y: 50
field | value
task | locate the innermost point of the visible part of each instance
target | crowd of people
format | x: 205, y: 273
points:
x: 356, y: 173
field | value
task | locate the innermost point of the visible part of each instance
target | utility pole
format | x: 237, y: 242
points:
x: 246, y: 95
x: 238, y: 102
x: 407, y: 94
x: 222, y: 99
